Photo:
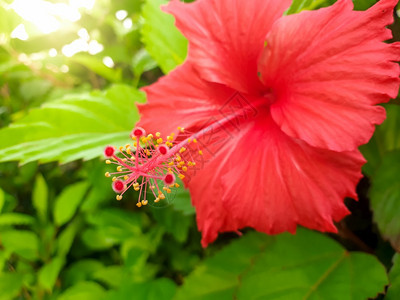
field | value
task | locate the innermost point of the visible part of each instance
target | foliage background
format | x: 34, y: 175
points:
x: 63, y: 235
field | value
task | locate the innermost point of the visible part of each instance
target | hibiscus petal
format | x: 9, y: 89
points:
x: 327, y: 69
x: 266, y: 180
x: 181, y: 99
x: 226, y: 37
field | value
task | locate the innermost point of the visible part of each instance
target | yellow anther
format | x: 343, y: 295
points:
x: 135, y: 144
x: 108, y: 161
x: 119, y: 168
x: 136, y: 188
x: 183, y: 149
x: 150, y: 136
x: 119, y: 197
x: 139, y: 204
x: 169, y: 191
x: 161, y: 196
x: 157, y: 200
x: 107, y: 174
x: 152, y: 187
x: 127, y: 146
x: 133, y: 138
x: 178, y: 158
x: 181, y: 129
x: 171, y: 163
x: 133, y: 158
x: 179, y: 166
x: 181, y: 176
x: 177, y: 185
x: 169, y: 170
x: 114, y: 178
x: 128, y: 151
x: 159, y: 193
x: 189, y: 141
x: 164, y: 188
x: 200, y: 152
x: 126, y: 177
x: 184, y: 168
x: 172, y: 134
x: 144, y: 140
x: 148, y: 152
x: 121, y: 149
x: 158, y: 134
x: 190, y: 164
x: 159, y: 140
x: 181, y: 163
x: 124, y: 159
x: 195, y: 141
x: 169, y: 144
x: 144, y: 202
x: 170, y: 138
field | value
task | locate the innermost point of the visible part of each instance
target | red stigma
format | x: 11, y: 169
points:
x: 138, y: 132
x: 163, y: 149
x: 169, y: 179
x: 109, y: 151
x: 118, y: 186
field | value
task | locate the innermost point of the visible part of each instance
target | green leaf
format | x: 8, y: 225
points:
x: 299, y: 5
x: 39, y: 197
x: 82, y: 270
x: 307, y: 265
x: 97, y: 66
x: 68, y: 201
x: 385, y: 197
x: 10, y: 285
x: 2, y: 199
x: 182, y: 202
x: 173, y: 222
x: 162, y: 40
x: 67, y: 236
x: 9, y: 219
x: 83, y: 291
x: 48, y: 274
x: 160, y: 289
x: 112, y: 276
x: 74, y: 127
x: 22, y: 242
x: 385, y: 139
x: 394, y: 277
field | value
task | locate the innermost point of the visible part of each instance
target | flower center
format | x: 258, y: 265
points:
x: 153, y: 162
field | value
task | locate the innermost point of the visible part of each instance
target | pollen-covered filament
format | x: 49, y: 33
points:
x: 151, y: 164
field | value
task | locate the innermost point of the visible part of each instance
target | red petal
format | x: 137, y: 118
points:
x: 227, y: 36
x: 327, y: 69
x: 183, y: 99
x: 264, y: 179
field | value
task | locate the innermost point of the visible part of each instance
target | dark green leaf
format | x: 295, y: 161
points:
x: 394, y: 277
x: 160, y: 289
x: 385, y: 197
x: 162, y: 40
x: 385, y: 139
x: 307, y: 265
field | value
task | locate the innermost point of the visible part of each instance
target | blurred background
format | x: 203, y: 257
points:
x: 70, y: 73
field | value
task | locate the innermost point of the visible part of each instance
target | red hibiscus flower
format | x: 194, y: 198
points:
x: 279, y: 105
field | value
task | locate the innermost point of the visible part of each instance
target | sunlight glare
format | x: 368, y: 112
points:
x: 19, y: 33
x: 121, y: 14
x: 45, y: 15
x: 108, y: 61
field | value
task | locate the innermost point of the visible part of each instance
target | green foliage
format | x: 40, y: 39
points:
x: 304, y: 266
x: 74, y: 127
x: 161, y: 38
x: 62, y: 234
x: 394, y: 277
x: 385, y: 197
